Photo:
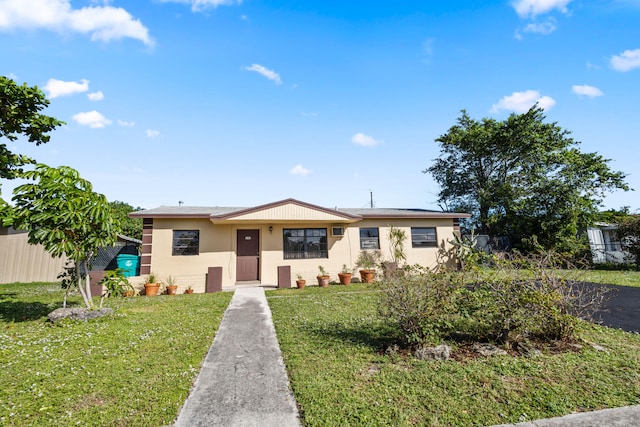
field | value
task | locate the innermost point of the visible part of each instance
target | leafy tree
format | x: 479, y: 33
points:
x: 62, y: 213
x: 130, y: 227
x: 613, y: 216
x: 521, y: 178
x: 20, y: 107
x: 629, y: 234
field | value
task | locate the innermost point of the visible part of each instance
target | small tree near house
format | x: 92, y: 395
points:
x: 61, y: 211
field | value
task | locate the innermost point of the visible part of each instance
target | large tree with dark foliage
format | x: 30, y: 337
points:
x: 20, y: 107
x: 521, y: 178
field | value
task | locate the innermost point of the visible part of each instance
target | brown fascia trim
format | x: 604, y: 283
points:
x: 285, y: 202
x: 168, y: 215
x: 429, y: 215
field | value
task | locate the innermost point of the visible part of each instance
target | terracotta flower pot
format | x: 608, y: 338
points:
x: 301, y: 283
x: 323, y: 281
x: 188, y: 291
x: 367, y: 275
x: 151, y: 289
x: 171, y: 290
x: 345, y: 278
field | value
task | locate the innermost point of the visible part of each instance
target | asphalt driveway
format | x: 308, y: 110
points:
x: 621, y: 308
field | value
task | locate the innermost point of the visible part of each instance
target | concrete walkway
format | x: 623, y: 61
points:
x: 243, y: 381
x: 628, y: 416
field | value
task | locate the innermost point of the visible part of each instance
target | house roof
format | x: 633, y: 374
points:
x: 129, y: 239
x: 402, y: 213
x: 288, y: 210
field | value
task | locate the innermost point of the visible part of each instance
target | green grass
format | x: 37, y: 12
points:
x: 332, y: 343
x: 622, y: 278
x: 609, y: 277
x: 134, y: 368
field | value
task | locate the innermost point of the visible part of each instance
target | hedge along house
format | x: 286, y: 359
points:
x: 213, y: 247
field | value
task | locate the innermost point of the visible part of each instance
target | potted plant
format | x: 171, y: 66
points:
x: 323, y: 277
x: 189, y: 290
x: 151, y: 286
x: 345, y: 275
x: 300, y: 282
x: 367, y: 261
x: 170, y: 284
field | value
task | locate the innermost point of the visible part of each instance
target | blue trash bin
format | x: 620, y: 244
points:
x: 128, y: 264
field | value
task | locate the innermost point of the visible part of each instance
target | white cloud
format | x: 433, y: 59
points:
x: 544, y: 28
x: 200, y: 5
x: 126, y: 124
x: 152, y: 133
x: 365, y: 140
x: 427, y: 45
x: 93, y: 119
x: 626, y: 61
x: 532, y: 8
x: 270, y: 74
x: 58, y: 88
x: 95, y: 96
x: 103, y: 23
x: 521, y: 102
x: 299, y: 170
x: 586, y: 90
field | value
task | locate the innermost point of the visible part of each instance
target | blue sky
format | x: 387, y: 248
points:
x: 240, y: 103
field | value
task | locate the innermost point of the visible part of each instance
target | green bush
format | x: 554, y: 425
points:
x: 421, y: 304
x: 519, y: 300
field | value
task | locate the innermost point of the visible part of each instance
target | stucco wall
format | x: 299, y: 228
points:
x: 218, y: 249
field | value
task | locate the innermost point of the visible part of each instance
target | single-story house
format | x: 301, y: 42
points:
x: 273, y: 243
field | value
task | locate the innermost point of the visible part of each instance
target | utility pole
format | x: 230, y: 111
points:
x: 371, y: 197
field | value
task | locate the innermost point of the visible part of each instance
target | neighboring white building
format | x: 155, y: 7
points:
x: 605, y: 244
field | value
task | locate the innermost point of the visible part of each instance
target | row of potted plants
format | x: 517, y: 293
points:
x: 152, y: 285
x: 367, y: 260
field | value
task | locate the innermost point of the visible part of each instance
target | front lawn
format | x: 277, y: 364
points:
x: 131, y: 369
x: 614, y: 277
x: 334, y: 346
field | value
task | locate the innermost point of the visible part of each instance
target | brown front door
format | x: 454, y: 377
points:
x: 248, y: 255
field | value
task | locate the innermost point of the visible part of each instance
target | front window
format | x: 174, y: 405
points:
x: 424, y: 237
x: 305, y: 243
x: 186, y: 242
x: 369, y: 238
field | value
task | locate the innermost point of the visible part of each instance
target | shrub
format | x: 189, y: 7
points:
x: 115, y: 283
x: 421, y: 304
x: 520, y: 299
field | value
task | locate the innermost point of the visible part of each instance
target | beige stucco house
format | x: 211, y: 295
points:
x: 271, y: 244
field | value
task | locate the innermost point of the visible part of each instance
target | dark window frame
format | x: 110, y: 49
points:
x: 187, y: 244
x: 421, y: 239
x: 305, y: 243
x: 366, y: 242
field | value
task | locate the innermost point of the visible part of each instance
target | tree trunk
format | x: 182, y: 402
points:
x: 87, y: 301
